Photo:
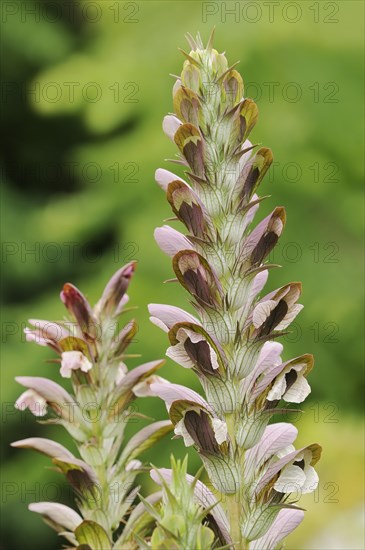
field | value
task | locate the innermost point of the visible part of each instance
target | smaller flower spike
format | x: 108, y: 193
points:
x: 91, y: 350
x: 180, y: 516
x: 222, y: 261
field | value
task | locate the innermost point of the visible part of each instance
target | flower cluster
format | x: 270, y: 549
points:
x: 92, y: 351
x: 230, y: 343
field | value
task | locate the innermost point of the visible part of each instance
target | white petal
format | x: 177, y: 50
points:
x: 178, y: 354
x: 220, y: 430
x: 277, y: 226
x: 182, y: 431
x: 311, y: 481
x: 298, y: 392
x: 244, y: 158
x: 285, y: 451
x: 133, y: 465
x: 33, y: 401
x: 278, y: 389
x: 291, y: 479
x: 65, y: 371
x: 74, y: 360
x: 34, y: 336
x: 293, y: 295
x: 122, y: 371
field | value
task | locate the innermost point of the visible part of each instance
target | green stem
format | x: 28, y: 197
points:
x: 234, y: 519
x: 233, y: 503
x: 234, y: 506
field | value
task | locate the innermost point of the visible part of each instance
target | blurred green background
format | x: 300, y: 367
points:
x: 85, y: 87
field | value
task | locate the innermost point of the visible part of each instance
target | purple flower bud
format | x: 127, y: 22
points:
x: 80, y: 309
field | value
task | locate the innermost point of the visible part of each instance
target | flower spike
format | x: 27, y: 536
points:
x: 94, y: 412
x: 222, y: 262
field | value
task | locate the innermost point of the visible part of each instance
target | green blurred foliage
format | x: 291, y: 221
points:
x: 85, y: 88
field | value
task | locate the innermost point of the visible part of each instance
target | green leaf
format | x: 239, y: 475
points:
x: 93, y: 535
x: 260, y: 521
x: 222, y: 473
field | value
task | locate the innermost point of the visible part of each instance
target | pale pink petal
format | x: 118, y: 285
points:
x: 165, y: 316
x: 143, y: 388
x: 258, y: 283
x: 53, y: 393
x: 170, y: 125
x: 59, y: 514
x: 275, y: 437
x: 164, y: 177
x: 171, y: 241
x: 176, y: 392
x: 42, y: 445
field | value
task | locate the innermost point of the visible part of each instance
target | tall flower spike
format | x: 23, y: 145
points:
x: 91, y: 354
x: 230, y: 342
